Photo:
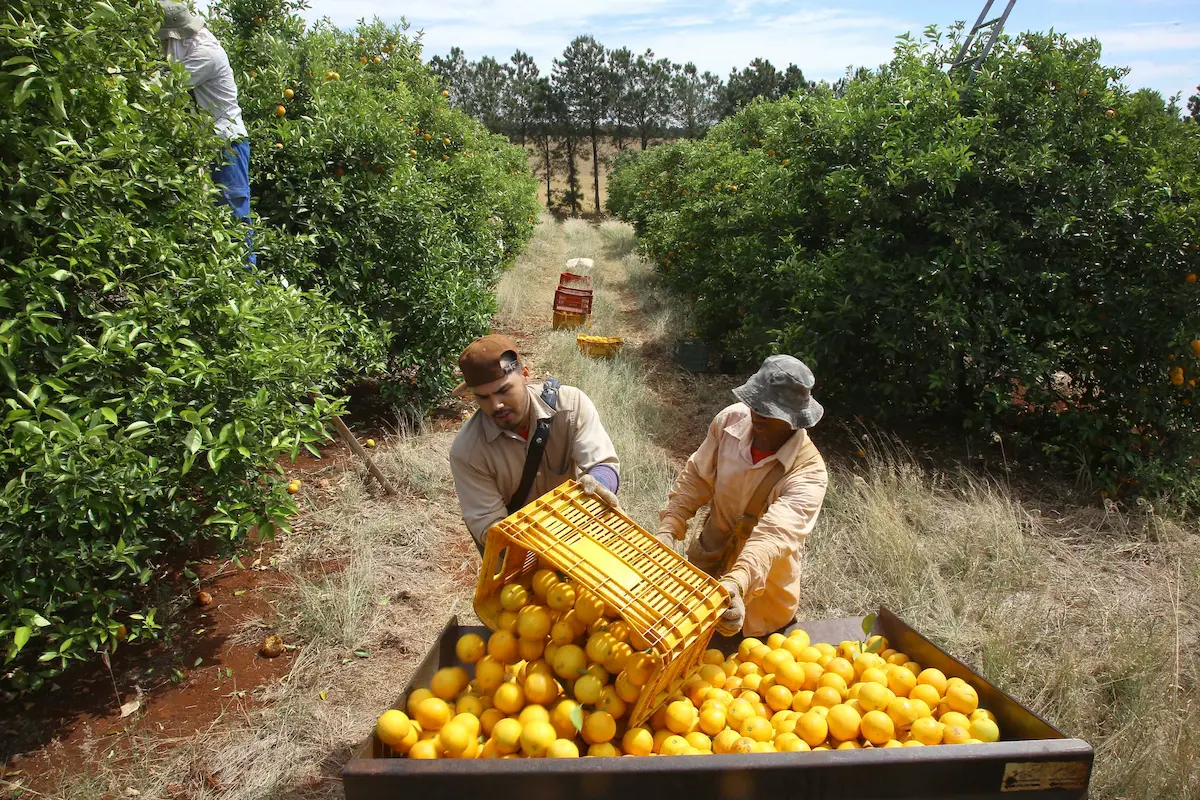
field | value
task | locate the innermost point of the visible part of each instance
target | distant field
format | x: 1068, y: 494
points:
x: 583, y: 163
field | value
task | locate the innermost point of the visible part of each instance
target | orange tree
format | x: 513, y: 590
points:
x: 148, y: 381
x: 1018, y: 255
x: 368, y: 185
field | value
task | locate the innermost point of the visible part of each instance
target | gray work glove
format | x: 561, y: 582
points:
x: 731, y: 621
x: 595, y: 488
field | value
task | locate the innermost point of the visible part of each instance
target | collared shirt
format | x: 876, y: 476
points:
x: 211, y: 78
x: 723, y: 473
x: 487, y: 461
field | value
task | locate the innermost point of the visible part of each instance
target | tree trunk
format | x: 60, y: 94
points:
x: 644, y: 131
x: 572, y: 174
x: 595, y: 166
x: 546, y: 148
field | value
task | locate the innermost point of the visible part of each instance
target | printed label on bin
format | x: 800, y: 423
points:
x: 1042, y: 776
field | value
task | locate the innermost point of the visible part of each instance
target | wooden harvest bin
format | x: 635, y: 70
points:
x: 1033, y: 762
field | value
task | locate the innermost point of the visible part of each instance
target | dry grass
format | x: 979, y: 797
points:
x: 1089, y: 616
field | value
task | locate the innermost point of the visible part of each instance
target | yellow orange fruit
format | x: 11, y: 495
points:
x: 470, y: 648
x: 844, y: 722
x: 933, y: 677
x: 955, y: 734
x: 561, y: 597
x: 448, y: 682
x: 903, y: 712
x: 681, y: 716
x: 455, y: 739
x: 985, y: 730
x: 674, y: 745
x: 534, y: 622
x: 926, y: 693
x: 536, y: 738
x: 877, y: 727
x: 598, y: 727
x: 962, y: 698
x: 758, y: 729
x: 927, y: 730
x: 513, y: 596
x: 569, y: 662
x: 543, y: 579
x: 562, y: 748
x: 638, y: 742
x: 502, y: 646
x: 425, y: 749
x: 812, y: 728
x: 541, y: 689
x: 611, y: 702
x: 509, y: 698
x: 872, y: 696
x: 826, y: 696
x: 433, y: 713
x: 393, y: 727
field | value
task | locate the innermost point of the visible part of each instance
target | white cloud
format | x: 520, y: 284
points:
x: 822, y: 40
x: 820, y: 37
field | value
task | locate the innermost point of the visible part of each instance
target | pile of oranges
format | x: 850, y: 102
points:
x: 558, y: 678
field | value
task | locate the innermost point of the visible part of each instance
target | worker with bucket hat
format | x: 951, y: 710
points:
x: 524, y: 440
x: 764, y: 482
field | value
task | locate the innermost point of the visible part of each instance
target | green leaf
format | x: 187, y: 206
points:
x: 108, y: 414
x: 868, y: 623
x: 20, y: 637
x: 134, y: 427
x: 192, y: 441
x: 10, y: 372
x: 40, y: 621
x: 577, y: 718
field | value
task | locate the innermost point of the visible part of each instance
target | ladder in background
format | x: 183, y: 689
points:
x: 996, y: 24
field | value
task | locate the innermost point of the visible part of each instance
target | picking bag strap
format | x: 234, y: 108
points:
x: 758, y: 501
x: 753, y: 513
x: 537, y: 446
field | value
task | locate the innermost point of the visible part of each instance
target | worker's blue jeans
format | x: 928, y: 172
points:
x: 232, y: 177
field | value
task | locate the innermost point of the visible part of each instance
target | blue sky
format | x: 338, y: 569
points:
x: 1158, y: 39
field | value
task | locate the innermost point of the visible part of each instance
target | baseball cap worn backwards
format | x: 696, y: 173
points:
x: 487, y: 359
x: 782, y: 389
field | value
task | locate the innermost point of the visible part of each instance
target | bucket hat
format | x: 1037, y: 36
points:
x: 178, y: 21
x: 782, y: 389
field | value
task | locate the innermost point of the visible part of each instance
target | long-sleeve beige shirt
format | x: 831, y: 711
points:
x: 723, y: 473
x: 487, y: 461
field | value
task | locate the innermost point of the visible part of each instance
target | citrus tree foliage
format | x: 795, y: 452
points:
x: 148, y: 381
x: 1020, y: 255
x: 368, y: 185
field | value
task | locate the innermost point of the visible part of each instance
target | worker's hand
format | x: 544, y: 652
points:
x: 597, y: 489
x: 666, y: 533
x: 731, y: 621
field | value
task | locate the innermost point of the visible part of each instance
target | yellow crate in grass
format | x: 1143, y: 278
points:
x: 569, y: 319
x: 671, y: 606
x: 598, y: 346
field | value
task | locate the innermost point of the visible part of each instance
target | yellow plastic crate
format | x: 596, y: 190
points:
x: 598, y: 346
x: 569, y: 319
x: 671, y: 606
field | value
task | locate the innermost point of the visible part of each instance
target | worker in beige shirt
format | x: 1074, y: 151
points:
x: 488, y: 458
x: 765, y: 482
